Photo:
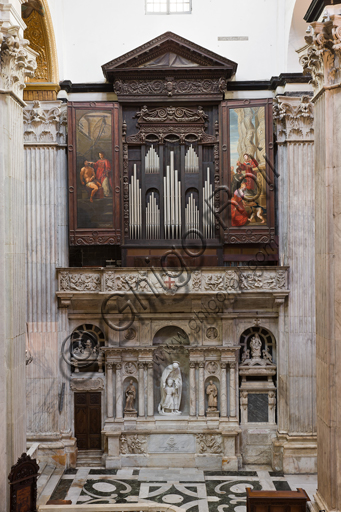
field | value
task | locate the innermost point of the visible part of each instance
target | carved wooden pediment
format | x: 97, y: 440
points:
x: 169, y: 66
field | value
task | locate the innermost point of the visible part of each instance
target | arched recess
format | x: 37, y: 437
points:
x: 39, y: 32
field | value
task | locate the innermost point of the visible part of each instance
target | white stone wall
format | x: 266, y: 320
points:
x: 104, y: 31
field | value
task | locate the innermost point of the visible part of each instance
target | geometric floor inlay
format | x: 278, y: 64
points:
x: 191, y: 489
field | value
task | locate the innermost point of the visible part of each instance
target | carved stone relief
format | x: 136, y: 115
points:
x: 294, y: 118
x: 209, y: 443
x: 133, y: 444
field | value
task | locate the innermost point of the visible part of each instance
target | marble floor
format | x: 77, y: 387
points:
x: 191, y: 489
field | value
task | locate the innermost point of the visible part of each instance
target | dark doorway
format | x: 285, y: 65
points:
x: 88, y: 420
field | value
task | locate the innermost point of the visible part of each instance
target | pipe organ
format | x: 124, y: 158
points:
x: 171, y: 166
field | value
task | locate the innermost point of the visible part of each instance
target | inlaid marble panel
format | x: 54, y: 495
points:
x: 258, y: 408
x: 165, y: 443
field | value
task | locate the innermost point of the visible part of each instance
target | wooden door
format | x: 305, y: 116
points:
x: 88, y: 420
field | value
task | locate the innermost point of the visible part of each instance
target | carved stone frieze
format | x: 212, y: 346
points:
x: 45, y: 122
x: 133, y: 444
x: 150, y: 282
x: 294, y: 118
x: 79, y: 282
x: 209, y: 443
x: 16, y: 60
x: 170, y: 87
x: 260, y: 280
x: 321, y: 57
x: 87, y: 384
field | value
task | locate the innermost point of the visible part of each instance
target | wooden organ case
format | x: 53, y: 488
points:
x: 186, y: 166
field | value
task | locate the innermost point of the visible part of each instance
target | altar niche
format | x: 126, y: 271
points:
x: 171, y: 372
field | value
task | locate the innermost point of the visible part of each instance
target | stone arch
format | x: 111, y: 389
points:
x: 39, y: 31
x: 266, y: 336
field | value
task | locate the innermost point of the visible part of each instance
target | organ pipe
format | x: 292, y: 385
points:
x: 152, y: 219
x: 152, y: 162
x: 135, y: 212
x: 192, y: 217
x: 208, y: 208
x: 191, y: 160
x: 172, y: 201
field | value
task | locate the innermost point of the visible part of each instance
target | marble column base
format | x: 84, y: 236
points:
x: 294, y: 454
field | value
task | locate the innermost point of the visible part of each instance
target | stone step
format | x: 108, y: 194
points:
x: 89, y: 458
x: 47, y: 482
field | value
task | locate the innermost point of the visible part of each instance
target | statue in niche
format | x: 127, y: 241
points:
x: 212, y: 395
x: 171, y: 388
x: 256, y: 347
x: 130, y: 398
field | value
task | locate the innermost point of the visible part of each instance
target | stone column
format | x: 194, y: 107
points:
x: 223, y: 394
x: 110, y: 395
x: 296, y: 344
x: 201, y: 389
x: 243, y: 400
x: 46, y: 248
x: 16, y: 62
x: 150, y: 384
x: 233, y: 391
x: 192, y: 393
x: 119, y: 414
x: 141, y: 390
x: 322, y: 60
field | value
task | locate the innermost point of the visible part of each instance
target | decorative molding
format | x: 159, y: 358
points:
x: 16, y: 60
x: 45, y: 122
x: 321, y: 57
x: 294, y: 118
x: 170, y: 115
x: 170, y: 87
x: 250, y: 236
x: 86, y: 384
x: 209, y: 443
x: 96, y: 238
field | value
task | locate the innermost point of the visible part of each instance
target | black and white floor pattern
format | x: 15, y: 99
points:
x: 188, y: 488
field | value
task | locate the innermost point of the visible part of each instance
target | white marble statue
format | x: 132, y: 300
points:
x: 171, y: 388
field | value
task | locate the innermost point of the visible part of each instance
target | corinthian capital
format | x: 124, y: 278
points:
x: 321, y: 57
x: 294, y: 118
x: 17, y: 61
x: 45, y: 121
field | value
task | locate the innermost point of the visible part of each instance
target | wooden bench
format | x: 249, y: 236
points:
x: 276, y: 501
